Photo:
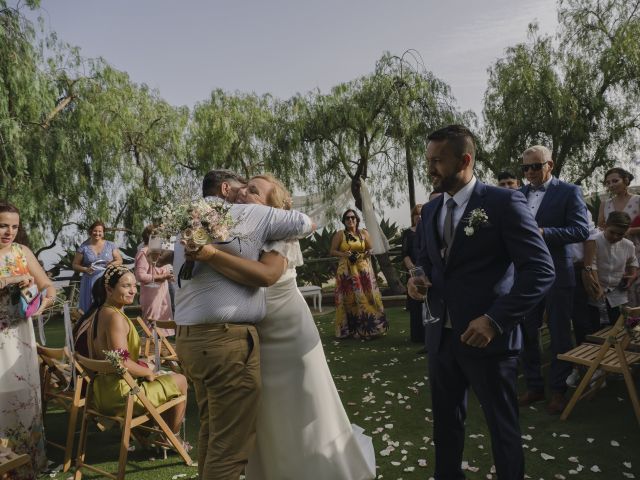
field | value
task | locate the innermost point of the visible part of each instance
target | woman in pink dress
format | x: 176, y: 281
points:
x: 155, y: 301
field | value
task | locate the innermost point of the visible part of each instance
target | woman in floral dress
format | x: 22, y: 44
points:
x: 359, y: 309
x: 20, y: 403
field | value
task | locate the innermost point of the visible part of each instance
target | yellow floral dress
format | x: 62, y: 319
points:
x: 21, y: 427
x: 359, y: 309
x: 110, y: 391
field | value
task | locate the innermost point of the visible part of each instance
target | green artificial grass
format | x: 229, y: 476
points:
x: 384, y: 389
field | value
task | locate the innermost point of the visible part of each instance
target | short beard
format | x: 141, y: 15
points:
x: 448, y: 183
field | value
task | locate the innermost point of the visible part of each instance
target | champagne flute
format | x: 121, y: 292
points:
x: 154, y: 252
x: 420, y: 281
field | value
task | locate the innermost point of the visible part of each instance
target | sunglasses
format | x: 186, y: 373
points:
x: 350, y: 217
x: 536, y: 167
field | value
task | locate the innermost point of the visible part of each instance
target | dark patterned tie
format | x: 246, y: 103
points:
x: 447, y: 231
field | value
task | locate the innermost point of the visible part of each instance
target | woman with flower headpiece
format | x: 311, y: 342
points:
x: 21, y: 427
x: 106, y: 328
x: 319, y: 442
x: 92, y: 257
x: 359, y: 308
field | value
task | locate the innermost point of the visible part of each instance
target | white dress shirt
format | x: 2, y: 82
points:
x: 534, y: 198
x: 576, y: 250
x: 461, y: 198
x: 210, y: 297
x: 612, y: 260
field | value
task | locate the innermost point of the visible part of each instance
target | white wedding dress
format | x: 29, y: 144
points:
x: 303, y: 431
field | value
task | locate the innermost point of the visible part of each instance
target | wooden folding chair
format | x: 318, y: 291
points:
x: 600, y: 336
x: 9, y: 460
x: 58, y: 387
x: 159, y: 346
x: 611, y: 356
x: 128, y: 422
x: 168, y: 355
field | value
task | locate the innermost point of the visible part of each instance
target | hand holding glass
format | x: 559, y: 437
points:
x: 420, y: 282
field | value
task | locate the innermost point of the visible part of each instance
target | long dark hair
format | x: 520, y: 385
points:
x: 111, y: 276
x: 21, y: 236
x: 347, y: 235
x: 344, y: 218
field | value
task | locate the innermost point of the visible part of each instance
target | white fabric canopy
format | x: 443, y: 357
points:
x: 328, y: 212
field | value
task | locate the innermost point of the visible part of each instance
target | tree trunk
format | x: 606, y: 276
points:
x: 393, y: 281
x: 410, y: 180
x: 55, y: 238
x: 356, y: 184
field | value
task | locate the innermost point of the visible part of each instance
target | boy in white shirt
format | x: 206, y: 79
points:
x: 616, y: 265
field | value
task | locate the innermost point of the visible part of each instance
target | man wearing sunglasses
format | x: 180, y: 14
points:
x: 561, y: 215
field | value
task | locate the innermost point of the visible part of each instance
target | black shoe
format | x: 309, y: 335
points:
x: 530, y: 397
x: 422, y: 351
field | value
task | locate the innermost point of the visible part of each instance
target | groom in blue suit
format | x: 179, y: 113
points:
x: 487, y: 267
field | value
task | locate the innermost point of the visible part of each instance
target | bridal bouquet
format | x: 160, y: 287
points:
x: 198, y: 222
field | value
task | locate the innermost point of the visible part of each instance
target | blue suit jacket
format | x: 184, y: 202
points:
x: 478, y: 277
x: 563, y: 216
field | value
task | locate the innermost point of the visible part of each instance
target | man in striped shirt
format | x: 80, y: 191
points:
x: 216, y: 340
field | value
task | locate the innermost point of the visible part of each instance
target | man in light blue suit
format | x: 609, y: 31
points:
x: 487, y: 267
x: 561, y: 215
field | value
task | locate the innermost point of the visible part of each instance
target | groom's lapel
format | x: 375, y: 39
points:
x: 475, y: 201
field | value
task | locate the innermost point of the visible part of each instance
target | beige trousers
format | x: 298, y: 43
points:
x: 223, y: 363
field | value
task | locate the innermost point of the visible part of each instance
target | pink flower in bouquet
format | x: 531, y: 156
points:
x: 198, y: 222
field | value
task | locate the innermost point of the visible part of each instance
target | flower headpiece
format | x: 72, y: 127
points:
x: 111, y: 270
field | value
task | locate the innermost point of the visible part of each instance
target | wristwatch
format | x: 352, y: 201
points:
x: 588, y: 268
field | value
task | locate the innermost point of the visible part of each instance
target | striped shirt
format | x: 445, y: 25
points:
x: 210, y: 297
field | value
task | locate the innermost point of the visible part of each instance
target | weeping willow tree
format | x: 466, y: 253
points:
x: 578, y: 93
x: 373, y: 129
x: 78, y: 139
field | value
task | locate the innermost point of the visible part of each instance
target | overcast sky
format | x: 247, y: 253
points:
x: 186, y: 49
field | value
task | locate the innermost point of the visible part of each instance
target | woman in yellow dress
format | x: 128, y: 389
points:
x: 359, y: 309
x: 107, y: 327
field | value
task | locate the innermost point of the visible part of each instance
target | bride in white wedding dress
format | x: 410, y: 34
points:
x: 303, y: 431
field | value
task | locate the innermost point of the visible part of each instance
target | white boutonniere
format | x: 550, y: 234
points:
x: 477, y: 218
